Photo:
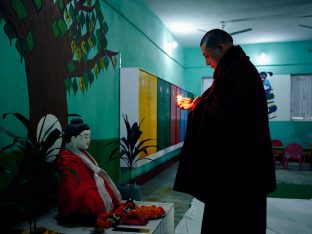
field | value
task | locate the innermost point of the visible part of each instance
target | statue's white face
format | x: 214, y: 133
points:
x: 82, y: 141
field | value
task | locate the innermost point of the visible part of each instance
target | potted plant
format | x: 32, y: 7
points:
x: 129, y: 149
x: 36, y: 173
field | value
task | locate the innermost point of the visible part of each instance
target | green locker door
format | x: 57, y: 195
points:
x: 163, y: 114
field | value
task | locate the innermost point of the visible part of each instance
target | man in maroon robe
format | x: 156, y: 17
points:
x: 226, y: 160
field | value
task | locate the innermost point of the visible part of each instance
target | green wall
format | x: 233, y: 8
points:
x: 283, y: 58
x: 142, y: 41
x: 292, y: 132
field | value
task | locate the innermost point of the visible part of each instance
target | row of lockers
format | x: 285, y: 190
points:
x: 146, y: 97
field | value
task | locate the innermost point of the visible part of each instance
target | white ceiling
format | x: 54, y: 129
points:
x: 270, y: 20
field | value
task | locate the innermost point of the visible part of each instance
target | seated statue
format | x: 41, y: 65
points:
x: 86, y: 190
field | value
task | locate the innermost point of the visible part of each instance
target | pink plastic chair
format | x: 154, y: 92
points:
x: 278, y: 155
x: 293, y: 151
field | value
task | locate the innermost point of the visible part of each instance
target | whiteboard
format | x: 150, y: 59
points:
x: 281, y: 89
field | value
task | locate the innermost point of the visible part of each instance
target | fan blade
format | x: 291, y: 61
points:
x: 305, y: 26
x: 304, y: 16
x: 241, y: 31
x: 201, y: 30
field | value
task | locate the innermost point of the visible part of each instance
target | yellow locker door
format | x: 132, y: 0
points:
x: 148, y: 109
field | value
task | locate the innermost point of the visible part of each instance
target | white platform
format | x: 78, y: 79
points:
x: 164, y: 225
x: 284, y: 216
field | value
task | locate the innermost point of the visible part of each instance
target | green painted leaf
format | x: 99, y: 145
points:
x: 77, y: 18
x: 71, y: 66
x: 90, y: 77
x: 93, y: 38
x: 97, y: 6
x: 55, y: 29
x: 99, y: 46
x: 30, y: 41
x: 70, y: 35
x: 85, y: 57
x: 82, y: 19
x: 104, y: 42
x: 77, y: 35
x: 38, y: 4
x: 75, y: 86
x: 87, y: 20
x: 100, y: 17
x: 68, y: 84
x: 98, y: 34
x: 19, y: 9
x: 106, y: 61
x: 61, y: 5
x: 105, y: 27
x: 72, y: 11
x: 114, y: 61
x: 62, y: 26
x: 21, y: 48
x: 102, y: 63
x: 87, y: 47
x: 93, y: 18
x: 10, y: 31
x: 85, y: 80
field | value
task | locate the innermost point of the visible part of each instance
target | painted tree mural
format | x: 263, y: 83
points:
x: 64, y: 46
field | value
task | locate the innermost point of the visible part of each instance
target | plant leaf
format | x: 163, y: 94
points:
x: 152, y: 160
x: 143, y: 149
x: 12, y: 135
x: 26, y: 123
x: 142, y: 142
x: 112, y: 154
x: 7, y: 147
x: 126, y: 143
x: 50, y: 140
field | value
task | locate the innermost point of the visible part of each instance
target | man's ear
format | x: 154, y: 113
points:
x: 222, y: 48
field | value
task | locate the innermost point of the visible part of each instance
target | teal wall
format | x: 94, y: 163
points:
x: 141, y: 40
x: 292, y: 132
x: 283, y: 58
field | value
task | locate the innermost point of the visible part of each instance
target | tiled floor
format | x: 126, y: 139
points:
x: 285, y: 216
x: 159, y: 189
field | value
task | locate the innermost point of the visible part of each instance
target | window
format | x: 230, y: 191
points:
x: 206, y: 83
x: 301, y: 97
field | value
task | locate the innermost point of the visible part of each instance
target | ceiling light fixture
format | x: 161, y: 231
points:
x: 263, y: 58
x: 173, y: 44
x: 181, y: 28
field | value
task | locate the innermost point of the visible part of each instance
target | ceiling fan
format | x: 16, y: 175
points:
x: 232, y: 33
x: 305, y: 26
